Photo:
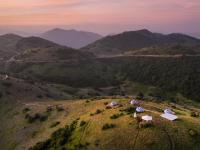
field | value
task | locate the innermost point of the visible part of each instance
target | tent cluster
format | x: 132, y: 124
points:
x: 168, y: 113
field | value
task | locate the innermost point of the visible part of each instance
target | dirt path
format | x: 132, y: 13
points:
x: 134, y: 145
x: 170, y: 139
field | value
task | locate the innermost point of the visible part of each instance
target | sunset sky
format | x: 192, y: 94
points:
x: 102, y: 16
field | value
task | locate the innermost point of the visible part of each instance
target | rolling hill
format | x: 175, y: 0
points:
x: 87, y: 124
x: 8, y: 45
x: 71, y: 38
x: 135, y: 40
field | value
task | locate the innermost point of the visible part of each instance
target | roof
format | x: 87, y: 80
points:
x: 147, y: 118
x: 169, y: 116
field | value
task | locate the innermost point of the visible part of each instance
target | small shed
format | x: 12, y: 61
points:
x: 170, y: 117
x: 139, y: 109
x: 147, y: 118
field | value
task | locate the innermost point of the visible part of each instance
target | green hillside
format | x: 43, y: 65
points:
x: 175, y: 75
x: 87, y: 129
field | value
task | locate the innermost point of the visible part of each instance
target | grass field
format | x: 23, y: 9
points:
x: 17, y: 133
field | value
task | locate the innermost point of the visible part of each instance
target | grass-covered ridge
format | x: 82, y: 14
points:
x: 100, y: 131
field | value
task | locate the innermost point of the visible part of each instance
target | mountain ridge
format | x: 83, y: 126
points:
x: 134, y: 40
x: 71, y: 38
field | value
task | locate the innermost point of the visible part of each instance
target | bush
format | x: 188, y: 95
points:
x: 7, y: 84
x: 59, y: 108
x: 25, y: 110
x: 194, y: 114
x: 145, y: 124
x: 193, y: 133
x: 115, y: 116
x: 129, y: 110
x: 54, y: 124
x: 37, y: 116
x: 82, y: 123
x: 108, y: 126
x: 98, y: 111
x: 105, y: 103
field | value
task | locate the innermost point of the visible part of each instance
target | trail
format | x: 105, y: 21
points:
x: 169, y: 138
x: 153, y: 56
x: 136, y: 138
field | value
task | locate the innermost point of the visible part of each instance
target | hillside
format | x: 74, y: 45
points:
x: 8, y: 45
x: 34, y: 42
x: 52, y: 54
x: 135, y: 40
x: 167, y: 49
x: 172, y: 74
x: 87, y: 132
x: 71, y: 38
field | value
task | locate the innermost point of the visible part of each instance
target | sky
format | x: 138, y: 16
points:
x: 101, y: 16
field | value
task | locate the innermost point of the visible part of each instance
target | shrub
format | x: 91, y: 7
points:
x: 7, y: 84
x: 108, y: 126
x: 194, y: 114
x: 115, y: 116
x: 98, y: 111
x: 193, y: 133
x: 129, y: 110
x: 37, y: 116
x: 145, y: 124
x: 82, y: 123
x: 25, y: 110
x: 54, y: 124
x: 105, y: 103
x: 59, y: 108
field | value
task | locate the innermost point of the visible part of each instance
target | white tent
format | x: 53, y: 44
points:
x: 169, y: 111
x: 147, y: 118
x: 114, y: 103
x: 134, y: 102
x: 169, y: 116
x: 139, y: 109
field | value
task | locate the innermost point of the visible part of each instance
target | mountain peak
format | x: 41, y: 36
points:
x: 11, y: 35
x: 71, y: 38
x: 144, y: 31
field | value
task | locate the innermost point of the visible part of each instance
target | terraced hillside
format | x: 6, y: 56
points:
x: 92, y: 126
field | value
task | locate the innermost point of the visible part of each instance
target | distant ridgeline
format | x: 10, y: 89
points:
x: 177, y: 75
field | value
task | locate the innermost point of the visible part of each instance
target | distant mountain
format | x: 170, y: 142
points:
x: 14, y: 47
x: 71, y: 38
x: 134, y: 40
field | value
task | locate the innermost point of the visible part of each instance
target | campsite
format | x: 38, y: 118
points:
x: 101, y: 131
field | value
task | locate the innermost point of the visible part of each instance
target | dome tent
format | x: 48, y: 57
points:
x: 169, y: 111
x: 139, y: 109
x: 134, y: 102
x: 114, y: 103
